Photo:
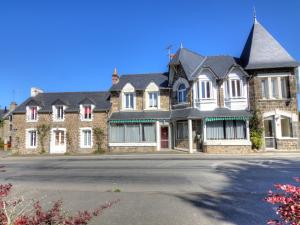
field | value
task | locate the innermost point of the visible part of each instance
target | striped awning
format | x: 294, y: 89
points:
x: 226, y: 118
x: 133, y: 121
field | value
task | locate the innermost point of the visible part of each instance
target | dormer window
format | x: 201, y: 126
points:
x: 58, y: 112
x: 205, y: 89
x: 181, y: 93
x: 87, y: 115
x: 234, y: 88
x: 129, y: 100
x: 128, y: 97
x: 153, y: 99
x: 32, y: 113
x: 86, y: 112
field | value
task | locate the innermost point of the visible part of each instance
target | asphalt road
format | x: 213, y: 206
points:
x: 156, y: 189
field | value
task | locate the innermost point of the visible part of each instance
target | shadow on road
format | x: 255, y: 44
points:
x: 241, y: 201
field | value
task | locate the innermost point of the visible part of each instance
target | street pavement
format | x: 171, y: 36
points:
x: 156, y: 189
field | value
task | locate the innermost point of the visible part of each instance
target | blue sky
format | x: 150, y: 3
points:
x: 74, y: 45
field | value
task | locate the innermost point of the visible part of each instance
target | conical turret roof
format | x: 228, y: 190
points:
x: 263, y: 51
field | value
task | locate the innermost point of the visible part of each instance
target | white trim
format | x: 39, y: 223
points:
x: 266, y: 75
x: 53, y: 147
x: 28, y: 114
x: 54, y: 113
x: 27, y: 138
x: 190, y: 135
x: 81, y: 108
x: 149, y: 144
x: 157, y: 126
x: 179, y: 81
x: 81, y: 137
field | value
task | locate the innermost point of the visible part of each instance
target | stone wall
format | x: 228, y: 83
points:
x: 72, y: 123
x: 227, y: 149
x: 256, y: 101
x: 287, y: 144
x: 132, y: 149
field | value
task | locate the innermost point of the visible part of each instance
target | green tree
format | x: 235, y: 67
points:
x: 256, y: 130
x: 98, y: 136
x: 42, y: 131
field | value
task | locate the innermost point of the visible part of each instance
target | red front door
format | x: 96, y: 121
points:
x: 164, y: 137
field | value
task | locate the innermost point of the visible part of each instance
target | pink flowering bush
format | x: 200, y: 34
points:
x: 287, y: 200
x: 20, y: 212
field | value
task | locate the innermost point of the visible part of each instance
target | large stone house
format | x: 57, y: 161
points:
x: 201, y: 104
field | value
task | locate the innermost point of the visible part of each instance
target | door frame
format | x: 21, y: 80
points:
x: 168, y: 129
x: 58, y: 149
x: 271, y: 118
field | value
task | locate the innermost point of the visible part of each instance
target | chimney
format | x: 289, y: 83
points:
x: 35, y: 91
x: 115, y: 77
x: 12, y: 106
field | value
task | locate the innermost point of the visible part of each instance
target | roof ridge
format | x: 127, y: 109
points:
x: 140, y: 74
x: 72, y: 92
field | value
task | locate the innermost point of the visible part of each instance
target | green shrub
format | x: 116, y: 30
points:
x: 256, y: 131
x: 1, y: 144
x: 98, y: 136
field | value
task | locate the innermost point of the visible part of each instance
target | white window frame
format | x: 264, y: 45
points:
x: 55, y: 112
x: 151, y: 100
x: 124, y: 101
x: 28, y: 138
x: 229, y: 88
x: 181, y: 91
x: 278, y: 77
x: 82, y: 110
x: 81, y: 130
x: 28, y: 113
x: 199, y: 89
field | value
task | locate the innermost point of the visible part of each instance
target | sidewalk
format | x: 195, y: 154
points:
x: 175, y: 155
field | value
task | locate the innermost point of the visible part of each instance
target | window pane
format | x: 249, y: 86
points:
x: 286, y: 127
x: 202, y: 89
x: 285, y: 87
x: 229, y: 129
x: 264, y: 89
x: 233, y: 88
x: 240, y: 129
x: 238, y: 86
x: 182, y: 130
x: 208, y: 89
x: 131, y: 100
x: 148, y: 132
x: 117, y: 133
x: 227, y: 92
x: 214, y: 130
x: 274, y: 88
x: 197, y: 90
x: 132, y: 133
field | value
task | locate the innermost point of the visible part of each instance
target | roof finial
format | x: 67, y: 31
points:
x: 254, y: 14
x: 181, y: 45
x: 115, y: 71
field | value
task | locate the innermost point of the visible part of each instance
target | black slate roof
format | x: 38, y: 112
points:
x: 141, y: 81
x: 160, y: 115
x: 192, y: 63
x: 262, y: 51
x: 192, y: 113
x: 189, y: 60
x: 221, y: 65
x: 71, y: 99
